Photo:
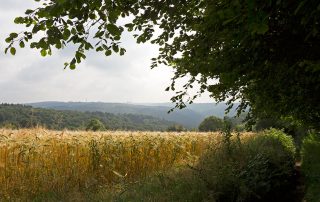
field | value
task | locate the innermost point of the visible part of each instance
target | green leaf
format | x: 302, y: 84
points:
x: 42, y: 43
x: 72, y: 66
x: 73, y: 31
x: 12, y: 51
x: 115, y: 48
x: 79, y: 55
x: 122, y: 51
x: 129, y: 26
x: 73, y: 61
x: 43, y: 52
x: 66, y: 34
x: 117, y: 38
x: 66, y: 64
x: 113, y: 30
x: 18, y: 20
x: 58, y: 45
x: 33, y: 45
x: 29, y: 11
x: 35, y: 29
x: 8, y: 40
x: 49, y: 23
x: 99, y: 34
x: 21, y: 44
x: 99, y: 49
x: 13, y: 35
x: 108, y: 53
x: 113, y: 15
x: 88, y: 46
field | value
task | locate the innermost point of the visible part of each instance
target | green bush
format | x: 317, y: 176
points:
x: 211, y: 123
x: 311, y: 166
x: 8, y: 125
x: 260, y: 168
x: 95, y: 125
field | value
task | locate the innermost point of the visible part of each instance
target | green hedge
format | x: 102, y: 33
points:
x: 260, y: 168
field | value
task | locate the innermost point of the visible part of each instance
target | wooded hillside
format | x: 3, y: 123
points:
x: 22, y: 116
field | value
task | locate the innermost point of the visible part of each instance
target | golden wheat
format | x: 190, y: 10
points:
x: 34, y: 161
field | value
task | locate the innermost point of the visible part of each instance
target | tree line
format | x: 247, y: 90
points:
x: 22, y: 116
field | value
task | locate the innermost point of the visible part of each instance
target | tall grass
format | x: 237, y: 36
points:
x: 33, y: 162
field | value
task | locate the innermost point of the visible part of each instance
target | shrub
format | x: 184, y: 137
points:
x: 311, y: 166
x: 173, y: 185
x: 8, y: 125
x: 258, y: 168
x: 95, y: 125
x: 211, y: 123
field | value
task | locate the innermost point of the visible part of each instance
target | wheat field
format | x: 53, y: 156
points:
x: 35, y: 161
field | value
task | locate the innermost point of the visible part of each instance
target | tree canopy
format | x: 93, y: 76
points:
x: 211, y: 123
x: 264, y: 54
x: 95, y: 125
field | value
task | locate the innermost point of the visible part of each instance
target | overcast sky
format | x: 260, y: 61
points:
x: 28, y: 77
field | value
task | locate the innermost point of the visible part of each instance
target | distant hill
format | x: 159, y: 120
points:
x: 189, y: 117
x: 22, y: 116
x: 205, y: 109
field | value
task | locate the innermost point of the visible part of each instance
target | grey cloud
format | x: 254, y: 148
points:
x: 28, y: 77
x: 17, y: 5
